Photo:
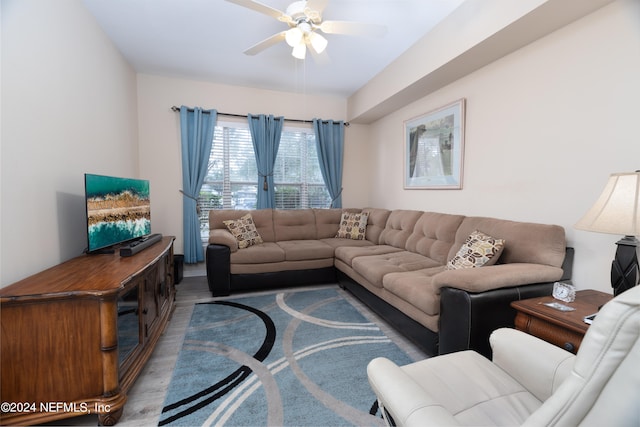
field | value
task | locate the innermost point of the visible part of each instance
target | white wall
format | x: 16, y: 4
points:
x: 160, y: 136
x: 474, y: 35
x: 68, y: 107
x: 545, y: 127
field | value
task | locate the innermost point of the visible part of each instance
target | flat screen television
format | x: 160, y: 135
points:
x: 118, y: 210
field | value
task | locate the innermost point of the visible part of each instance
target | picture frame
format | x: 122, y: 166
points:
x: 434, y: 149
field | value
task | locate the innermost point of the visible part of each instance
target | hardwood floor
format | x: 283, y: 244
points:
x: 146, y: 397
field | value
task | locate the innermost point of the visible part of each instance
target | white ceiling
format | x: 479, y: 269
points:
x: 205, y: 40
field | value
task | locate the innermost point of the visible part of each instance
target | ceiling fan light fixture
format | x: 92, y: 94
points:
x: 293, y: 36
x: 304, y: 18
x: 299, y: 51
x: 318, y: 42
x: 304, y: 26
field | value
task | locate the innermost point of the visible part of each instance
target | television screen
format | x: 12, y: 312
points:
x: 118, y: 210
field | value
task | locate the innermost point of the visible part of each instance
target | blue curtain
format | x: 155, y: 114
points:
x: 196, y: 132
x: 265, y: 134
x: 330, y: 147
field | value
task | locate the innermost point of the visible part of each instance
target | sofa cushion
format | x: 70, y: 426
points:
x: 479, y: 249
x: 399, y: 227
x: 373, y: 268
x: 244, y: 230
x: 265, y: 253
x: 298, y: 224
x: 347, y: 254
x: 524, y: 242
x: 416, y: 288
x: 262, y: 218
x: 298, y: 250
x: 376, y: 223
x: 336, y: 242
x: 434, y: 234
x: 352, y: 226
x: 328, y: 221
x: 279, y: 267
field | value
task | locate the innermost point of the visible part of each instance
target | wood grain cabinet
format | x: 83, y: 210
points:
x: 75, y: 337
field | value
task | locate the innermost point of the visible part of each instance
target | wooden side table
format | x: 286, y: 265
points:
x: 562, y: 328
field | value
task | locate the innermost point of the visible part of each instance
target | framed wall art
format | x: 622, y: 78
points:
x: 434, y: 148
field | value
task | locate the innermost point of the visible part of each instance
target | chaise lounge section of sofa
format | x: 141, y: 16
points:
x: 400, y: 267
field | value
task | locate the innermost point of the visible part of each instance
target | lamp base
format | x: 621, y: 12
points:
x: 624, y: 268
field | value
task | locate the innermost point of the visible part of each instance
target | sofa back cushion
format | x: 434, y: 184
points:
x: 434, y: 234
x: 524, y: 242
x: 328, y: 221
x: 295, y: 224
x: 376, y: 222
x: 399, y: 227
x: 262, y: 218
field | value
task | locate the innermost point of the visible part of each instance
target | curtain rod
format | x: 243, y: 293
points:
x: 174, y: 108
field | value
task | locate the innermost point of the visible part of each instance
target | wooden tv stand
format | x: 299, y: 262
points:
x: 75, y: 337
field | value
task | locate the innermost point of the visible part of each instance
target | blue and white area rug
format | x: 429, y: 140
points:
x: 294, y: 358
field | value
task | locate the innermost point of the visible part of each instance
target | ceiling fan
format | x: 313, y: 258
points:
x: 305, y: 24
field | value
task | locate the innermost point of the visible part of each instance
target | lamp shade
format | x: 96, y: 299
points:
x: 617, y: 210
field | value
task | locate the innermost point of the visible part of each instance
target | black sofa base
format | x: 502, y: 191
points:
x: 466, y: 319
x: 282, y: 279
x: 222, y: 282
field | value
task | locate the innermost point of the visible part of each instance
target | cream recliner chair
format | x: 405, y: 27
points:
x: 529, y: 382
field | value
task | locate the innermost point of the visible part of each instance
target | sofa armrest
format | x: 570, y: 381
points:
x: 218, y: 261
x: 497, y: 276
x: 467, y: 318
x: 504, y: 275
x: 403, y: 398
x: 539, y: 366
x: 219, y: 236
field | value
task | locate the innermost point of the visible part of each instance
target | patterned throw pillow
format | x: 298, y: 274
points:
x: 479, y: 249
x: 244, y: 230
x: 353, y: 226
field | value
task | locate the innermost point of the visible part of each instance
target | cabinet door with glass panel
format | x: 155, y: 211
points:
x: 129, y: 332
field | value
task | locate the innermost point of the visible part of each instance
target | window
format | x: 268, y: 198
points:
x: 298, y: 180
x: 232, y: 176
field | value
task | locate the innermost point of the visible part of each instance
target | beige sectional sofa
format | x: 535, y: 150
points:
x: 399, y: 268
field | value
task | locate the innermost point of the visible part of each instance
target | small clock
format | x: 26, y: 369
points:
x: 564, y: 292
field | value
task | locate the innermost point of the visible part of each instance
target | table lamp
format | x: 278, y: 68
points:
x: 617, y: 211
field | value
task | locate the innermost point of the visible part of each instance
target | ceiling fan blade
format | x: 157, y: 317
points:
x: 318, y: 5
x: 313, y: 10
x: 265, y: 44
x: 353, y: 28
x: 259, y: 7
